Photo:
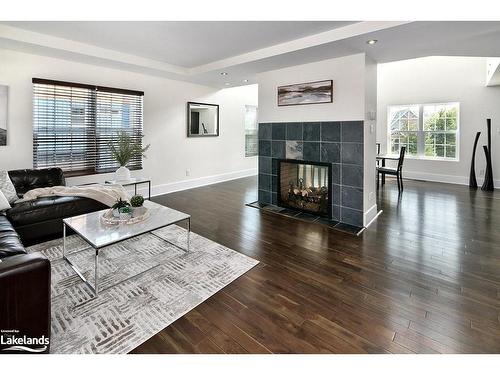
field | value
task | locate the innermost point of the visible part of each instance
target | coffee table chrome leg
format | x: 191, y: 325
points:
x: 188, y: 233
x: 96, y: 287
x: 64, y: 241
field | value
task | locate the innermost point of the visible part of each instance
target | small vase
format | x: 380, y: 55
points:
x: 122, y: 174
x: 138, y: 211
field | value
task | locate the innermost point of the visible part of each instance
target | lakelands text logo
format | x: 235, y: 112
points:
x: 14, y: 342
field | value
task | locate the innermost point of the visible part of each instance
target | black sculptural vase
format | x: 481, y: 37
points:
x: 488, y: 177
x: 472, y: 176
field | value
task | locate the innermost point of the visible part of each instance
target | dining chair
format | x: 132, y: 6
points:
x: 398, y: 171
x: 377, y: 162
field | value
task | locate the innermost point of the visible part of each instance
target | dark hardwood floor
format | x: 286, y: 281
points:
x: 423, y: 278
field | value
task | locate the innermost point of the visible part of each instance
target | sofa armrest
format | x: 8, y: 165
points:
x: 25, y: 297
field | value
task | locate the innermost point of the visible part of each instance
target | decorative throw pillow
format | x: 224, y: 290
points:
x: 7, y: 187
x: 4, y: 203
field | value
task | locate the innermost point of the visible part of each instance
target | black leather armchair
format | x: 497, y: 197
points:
x: 24, y: 289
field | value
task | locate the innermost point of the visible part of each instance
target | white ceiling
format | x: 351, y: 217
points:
x: 188, y: 43
x: 200, y: 51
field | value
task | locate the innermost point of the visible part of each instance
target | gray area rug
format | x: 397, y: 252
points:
x: 124, y: 316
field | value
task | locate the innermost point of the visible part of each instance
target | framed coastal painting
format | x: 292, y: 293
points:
x: 3, y: 115
x: 306, y: 93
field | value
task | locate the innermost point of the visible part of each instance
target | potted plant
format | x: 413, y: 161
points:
x: 137, y: 202
x: 125, y: 212
x: 119, y: 205
x: 123, y: 150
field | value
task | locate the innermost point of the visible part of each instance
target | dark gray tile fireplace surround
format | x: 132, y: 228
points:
x: 338, y: 143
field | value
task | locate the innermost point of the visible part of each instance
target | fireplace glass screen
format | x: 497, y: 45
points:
x: 305, y: 187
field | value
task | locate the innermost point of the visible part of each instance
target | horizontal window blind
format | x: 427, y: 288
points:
x: 73, y: 123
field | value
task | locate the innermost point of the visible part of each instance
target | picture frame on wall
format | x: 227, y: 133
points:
x: 4, y: 92
x: 318, y: 92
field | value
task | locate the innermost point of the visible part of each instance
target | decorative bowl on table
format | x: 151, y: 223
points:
x: 109, y: 218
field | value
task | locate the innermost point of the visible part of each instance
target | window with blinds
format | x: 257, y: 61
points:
x: 73, y: 124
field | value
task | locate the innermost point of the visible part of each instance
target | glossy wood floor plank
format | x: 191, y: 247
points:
x: 424, y: 278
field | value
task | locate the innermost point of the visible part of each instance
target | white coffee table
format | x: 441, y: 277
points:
x: 99, y: 236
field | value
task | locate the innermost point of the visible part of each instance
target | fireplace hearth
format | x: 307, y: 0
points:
x: 305, y: 186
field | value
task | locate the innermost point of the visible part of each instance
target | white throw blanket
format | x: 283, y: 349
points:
x: 106, y: 194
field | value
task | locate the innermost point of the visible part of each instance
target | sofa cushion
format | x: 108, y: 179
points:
x: 7, y: 187
x: 50, y: 208
x: 9, y: 240
x: 4, y: 203
x: 25, y: 180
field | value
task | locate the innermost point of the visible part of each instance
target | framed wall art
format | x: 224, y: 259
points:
x: 306, y: 93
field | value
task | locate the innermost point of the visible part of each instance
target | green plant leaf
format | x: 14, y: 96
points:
x: 126, y: 148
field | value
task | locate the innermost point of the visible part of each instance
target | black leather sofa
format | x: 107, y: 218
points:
x: 25, y: 278
x: 41, y: 219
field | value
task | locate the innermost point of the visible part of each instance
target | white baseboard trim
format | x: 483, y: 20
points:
x: 447, y: 179
x: 369, y: 215
x: 196, y: 182
x: 375, y: 218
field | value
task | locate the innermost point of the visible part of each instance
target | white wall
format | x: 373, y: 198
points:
x: 171, y: 153
x: 3, y: 106
x: 348, y: 91
x: 369, y: 147
x: 444, y: 79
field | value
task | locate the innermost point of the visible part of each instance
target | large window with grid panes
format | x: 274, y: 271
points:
x: 429, y: 131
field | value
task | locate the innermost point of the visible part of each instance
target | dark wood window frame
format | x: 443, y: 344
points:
x: 73, y: 122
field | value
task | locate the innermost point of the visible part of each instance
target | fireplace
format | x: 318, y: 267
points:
x: 305, y: 186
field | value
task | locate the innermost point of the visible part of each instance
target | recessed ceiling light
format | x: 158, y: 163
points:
x: 227, y: 83
x: 223, y: 73
x: 372, y: 41
x: 245, y: 80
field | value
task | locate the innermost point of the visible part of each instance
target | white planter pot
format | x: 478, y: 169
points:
x: 138, y: 211
x: 125, y: 216
x: 122, y: 174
